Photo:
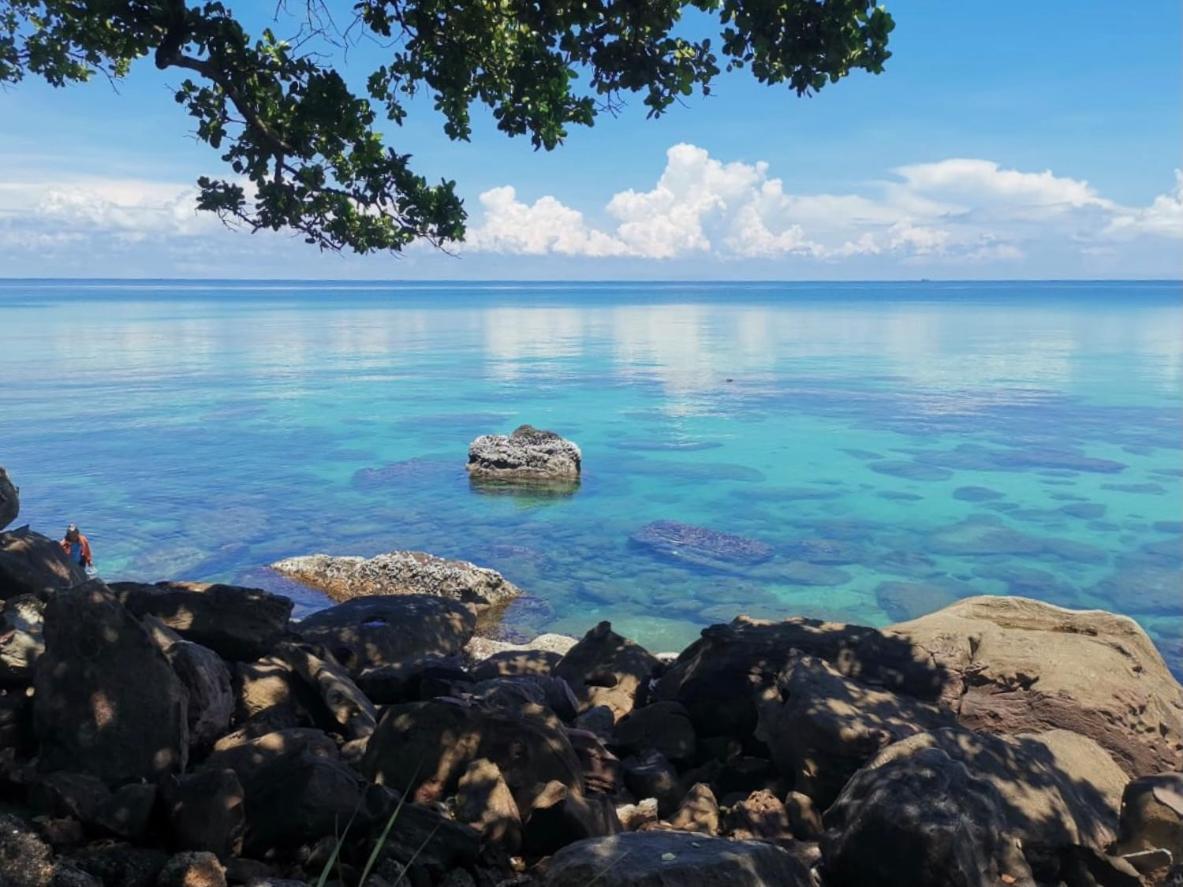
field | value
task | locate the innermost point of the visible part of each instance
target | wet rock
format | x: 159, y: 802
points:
x: 484, y: 801
x: 425, y: 747
x: 346, y: 705
x: 908, y: 600
x: 205, y: 811
x: 821, y: 726
x: 561, y: 815
x: 237, y: 623
x: 673, y: 859
x: 1014, y: 665
x: 719, y: 676
x: 205, y: 676
x: 698, y: 812
x: 528, y: 454
x: 662, y: 726
x: 399, y: 573
x: 1152, y: 815
x: 605, y: 668
x: 700, y: 546
x: 21, y: 638
x: 10, y: 499
x: 34, y: 564
x: 107, y: 702
x: 761, y: 817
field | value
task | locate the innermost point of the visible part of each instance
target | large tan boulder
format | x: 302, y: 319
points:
x: 1014, y: 665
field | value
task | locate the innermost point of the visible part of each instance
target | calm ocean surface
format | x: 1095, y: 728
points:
x: 897, y: 445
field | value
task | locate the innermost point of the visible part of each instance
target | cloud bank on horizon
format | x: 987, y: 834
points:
x: 715, y: 216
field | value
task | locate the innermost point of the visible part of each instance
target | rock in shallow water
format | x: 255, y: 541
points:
x: 528, y: 455
x: 700, y: 546
x: 399, y: 572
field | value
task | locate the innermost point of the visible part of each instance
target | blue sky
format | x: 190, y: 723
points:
x: 1004, y: 140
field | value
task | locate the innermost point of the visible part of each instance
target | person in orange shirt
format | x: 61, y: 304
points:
x: 77, y: 547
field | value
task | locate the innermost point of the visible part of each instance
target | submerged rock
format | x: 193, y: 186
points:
x: 527, y: 455
x: 399, y: 572
x: 1014, y: 665
x: 700, y: 546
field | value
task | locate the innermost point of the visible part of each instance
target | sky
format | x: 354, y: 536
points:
x: 1007, y: 140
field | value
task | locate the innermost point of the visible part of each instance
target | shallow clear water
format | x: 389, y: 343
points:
x: 896, y: 445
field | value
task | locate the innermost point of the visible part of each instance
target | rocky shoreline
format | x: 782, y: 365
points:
x: 192, y: 735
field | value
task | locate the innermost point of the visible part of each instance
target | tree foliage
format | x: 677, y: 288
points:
x: 305, y: 149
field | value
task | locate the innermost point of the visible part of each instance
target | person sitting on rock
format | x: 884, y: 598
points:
x: 77, y: 547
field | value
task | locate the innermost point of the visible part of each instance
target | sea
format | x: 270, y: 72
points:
x: 868, y: 451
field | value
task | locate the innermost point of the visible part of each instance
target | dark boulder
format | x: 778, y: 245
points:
x: 413, y: 680
x: 204, y: 811
x: 205, y: 676
x: 26, y: 860
x: 338, y: 704
x: 484, y: 801
x: 650, y: 775
x: 605, y: 668
x: 821, y: 727
x: 954, y: 807
x: 377, y: 630
x: 424, y: 748
x: 34, y: 564
x: 562, y: 815
x: 512, y: 663
x: 662, y: 726
x: 719, y: 677
x: 107, y: 701
x: 674, y: 859
x: 237, y: 623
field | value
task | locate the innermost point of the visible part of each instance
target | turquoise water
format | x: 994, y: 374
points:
x: 896, y: 445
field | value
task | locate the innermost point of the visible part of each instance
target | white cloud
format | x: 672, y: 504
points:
x: 956, y: 209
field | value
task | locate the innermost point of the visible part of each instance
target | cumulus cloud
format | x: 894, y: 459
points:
x: 959, y: 208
